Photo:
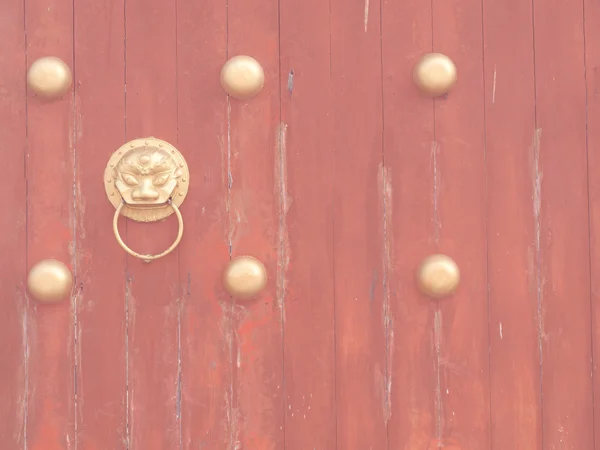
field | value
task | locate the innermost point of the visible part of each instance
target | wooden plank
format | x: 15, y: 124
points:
x: 461, y: 322
x: 13, y: 113
x: 563, y: 282
x: 307, y: 152
x: 409, y: 185
x: 257, y: 228
x: 153, y: 289
x: 592, y: 64
x: 361, y: 265
x: 100, y: 130
x: 50, y: 234
x: 511, y: 156
x: 202, y: 127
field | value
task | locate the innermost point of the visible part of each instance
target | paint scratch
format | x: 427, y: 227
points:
x: 76, y: 225
x: 229, y: 180
x: 22, y: 413
x: 228, y: 330
x: 232, y: 419
x: 178, y: 390
x: 385, y: 190
x: 284, y: 202
x: 231, y: 340
x: 437, y: 330
x: 435, y: 152
x: 437, y: 333
x: 291, y: 81
x: 536, y: 179
x: 494, y: 87
x: 366, y: 15
x: 129, y: 322
x: 234, y: 217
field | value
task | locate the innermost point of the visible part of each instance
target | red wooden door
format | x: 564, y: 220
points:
x: 340, y: 178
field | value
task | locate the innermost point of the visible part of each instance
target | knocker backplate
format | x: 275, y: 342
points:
x: 145, y: 174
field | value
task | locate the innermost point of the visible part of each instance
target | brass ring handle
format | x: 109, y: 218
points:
x: 148, y: 258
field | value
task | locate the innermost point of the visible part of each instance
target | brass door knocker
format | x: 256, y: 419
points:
x: 146, y: 180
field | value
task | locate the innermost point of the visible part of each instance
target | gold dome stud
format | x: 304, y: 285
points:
x: 245, y: 277
x: 434, y: 74
x: 438, y: 276
x: 242, y: 77
x: 49, y: 77
x: 50, y: 281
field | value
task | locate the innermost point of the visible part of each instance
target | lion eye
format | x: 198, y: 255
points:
x: 161, y: 180
x: 130, y: 180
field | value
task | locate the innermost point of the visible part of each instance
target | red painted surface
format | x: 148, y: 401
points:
x: 413, y: 182
x: 205, y: 319
x: 99, y: 112
x: 512, y: 173
x: 50, y: 329
x: 361, y: 267
x: 340, y: 178
x: 307, y: 226
x: 256, y: 227
x: 13, y: 258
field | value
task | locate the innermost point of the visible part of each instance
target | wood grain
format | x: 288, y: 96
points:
x: 206, y: 336
x: 153, y: 289
x: 512, y: 158
x: 13, y: 407
x: 307, y: 153
x: 461, y: 322
x: 257, y: 228
x: 340, y: 177
x: 592, y: 72
x: 362, y: 268
x: 50, y: 234
x: 99, y: 130
x: 563, y: 261
x: 409, y: 183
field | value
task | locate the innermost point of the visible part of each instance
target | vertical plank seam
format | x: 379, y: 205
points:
x: 231, y: 332
x: 486, y: 208
x: 437, y: 319
x: 128, y: 279
x: 386, y: 207
x: 179, y: 290
x: 26, y: 305
x: 590, y: 223
x: 439, y: 429
x: 333, y: 259
x: 230, y: 310
x: 282, y: 253
x: 283, y: 207
x: 74, y: 241
x: 537, y: 230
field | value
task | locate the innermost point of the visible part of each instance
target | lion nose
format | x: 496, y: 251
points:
x: 146, y: 192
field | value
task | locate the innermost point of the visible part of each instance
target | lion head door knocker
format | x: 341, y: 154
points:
x: 147, y: 180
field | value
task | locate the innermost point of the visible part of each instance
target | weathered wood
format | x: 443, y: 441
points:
x: 306, y: 197
x: 563, y: 281
x: 13, y: 139
x: 340, y: 177
x: 257, y: 212
x: 50, y: 234
x: 361, y: 270
x: 461, y: 322
x: 99, y: 114
x: 408, y: 185
x: 153, y: 289
x: 206, y: 336
x: 592, y: 75
x: 512, y: 158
